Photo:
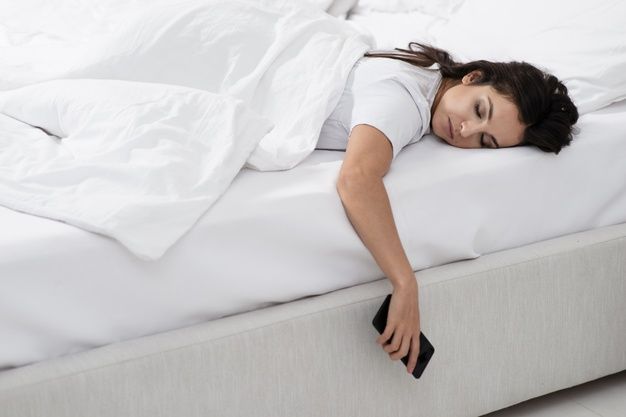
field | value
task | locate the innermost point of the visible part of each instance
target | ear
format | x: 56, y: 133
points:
x: 472, y: 77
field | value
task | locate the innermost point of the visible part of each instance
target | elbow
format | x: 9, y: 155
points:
x: 354, y: 183
x: 341, y: 184
x: 346, y: 182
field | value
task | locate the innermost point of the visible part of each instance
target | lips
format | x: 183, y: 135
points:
x: 450, y: 129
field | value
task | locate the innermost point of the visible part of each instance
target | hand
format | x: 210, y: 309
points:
x: 403, y: 322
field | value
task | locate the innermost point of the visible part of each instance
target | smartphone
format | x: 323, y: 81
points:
x: 426, y: 348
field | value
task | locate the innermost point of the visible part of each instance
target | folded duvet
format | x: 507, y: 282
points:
x: 134, y: 122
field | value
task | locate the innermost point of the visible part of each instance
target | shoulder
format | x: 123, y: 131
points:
x: 371, y: 70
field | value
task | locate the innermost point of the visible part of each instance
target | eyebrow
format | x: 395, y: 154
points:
x: 489, y: 118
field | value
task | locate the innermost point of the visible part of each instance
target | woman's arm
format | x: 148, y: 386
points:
x: 365, y: 200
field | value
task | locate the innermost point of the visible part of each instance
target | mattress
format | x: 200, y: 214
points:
x: 279, y: 236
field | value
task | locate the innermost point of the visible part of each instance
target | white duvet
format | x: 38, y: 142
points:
x: 140, y: 117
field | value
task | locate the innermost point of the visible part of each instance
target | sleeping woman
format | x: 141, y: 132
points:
x: 390, y: 103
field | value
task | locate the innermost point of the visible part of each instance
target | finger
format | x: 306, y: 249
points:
x: 415, y: 350
x: 404, y: 348
x: 382, y: 339
x: 395, y: 344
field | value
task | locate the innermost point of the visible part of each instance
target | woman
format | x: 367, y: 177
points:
x: 389, y: 103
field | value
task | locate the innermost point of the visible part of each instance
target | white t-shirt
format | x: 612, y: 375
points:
x: 391, y: 95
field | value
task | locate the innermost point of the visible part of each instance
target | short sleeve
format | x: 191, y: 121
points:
x: 389, y: 107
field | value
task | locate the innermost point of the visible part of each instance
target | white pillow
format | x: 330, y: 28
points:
x: 395, y: 30
x: 582, y: 43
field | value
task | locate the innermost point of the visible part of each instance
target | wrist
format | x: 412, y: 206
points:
x: 405, y: 285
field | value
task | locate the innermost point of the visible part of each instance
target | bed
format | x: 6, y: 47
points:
x: 265, y: 306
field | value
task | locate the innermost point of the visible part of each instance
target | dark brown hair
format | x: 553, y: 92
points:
x: 542, y: 100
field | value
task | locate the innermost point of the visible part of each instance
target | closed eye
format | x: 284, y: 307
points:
x: 477, y: 108
x: 482, y: 135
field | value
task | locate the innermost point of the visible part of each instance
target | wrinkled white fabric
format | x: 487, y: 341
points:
x: 154, y: 110
x: 288, y: 62
x: 136, y: 161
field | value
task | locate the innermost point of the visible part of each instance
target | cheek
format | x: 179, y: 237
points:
x: 459, y: 101
x: 442, y: 111
x: 453, y: 105
x: 440, y: 121
x: 437, y: 122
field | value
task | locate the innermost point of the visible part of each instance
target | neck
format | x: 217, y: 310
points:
x: 446, y: 84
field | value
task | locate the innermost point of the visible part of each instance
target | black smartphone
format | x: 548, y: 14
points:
x: 426, y: 348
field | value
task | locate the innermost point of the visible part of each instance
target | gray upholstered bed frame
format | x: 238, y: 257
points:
x: 507, y: 327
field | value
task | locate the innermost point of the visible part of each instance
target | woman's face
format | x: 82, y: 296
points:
x: 476, y: 116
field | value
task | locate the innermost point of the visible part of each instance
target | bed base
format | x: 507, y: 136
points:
x: 506, y: 327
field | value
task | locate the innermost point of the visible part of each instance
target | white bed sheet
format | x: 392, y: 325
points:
x: 278, y: 236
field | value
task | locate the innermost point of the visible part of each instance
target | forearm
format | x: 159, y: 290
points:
x: 367, y: 205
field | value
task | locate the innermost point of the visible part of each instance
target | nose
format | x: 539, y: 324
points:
x: 469, y: 128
